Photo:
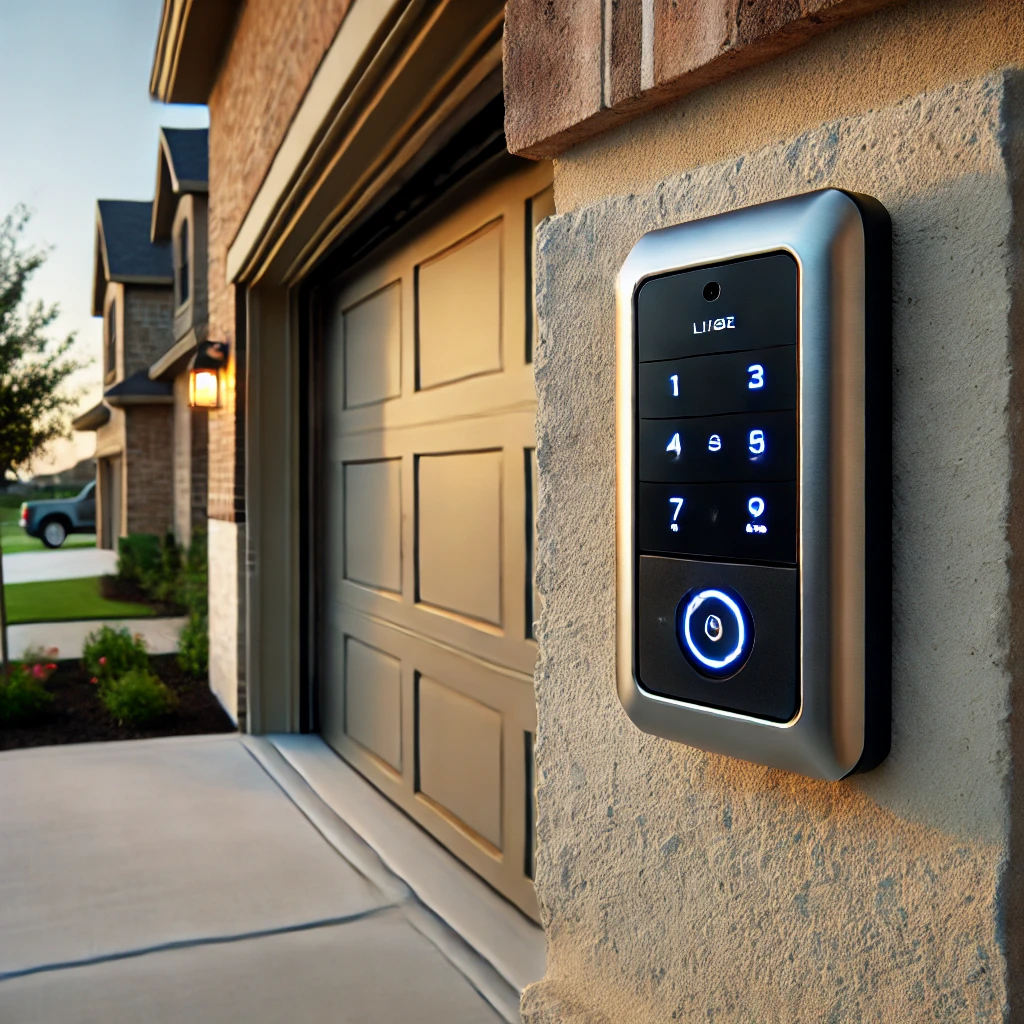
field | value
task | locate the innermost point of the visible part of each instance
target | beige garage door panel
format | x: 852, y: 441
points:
x: 459, y: 754
x: 373, y: 523
x: 373, y: 347
x: 373, y: 700
x: 459, y: 533
x: 428, y: 684
x: 458, y: 306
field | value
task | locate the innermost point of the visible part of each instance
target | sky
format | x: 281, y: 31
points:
x: 77, y: 125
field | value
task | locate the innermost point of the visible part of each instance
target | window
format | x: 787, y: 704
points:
x: 111, y: 360
x: 181, y: 265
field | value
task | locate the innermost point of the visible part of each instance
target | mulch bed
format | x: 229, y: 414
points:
x: 113, y: 588
x: 77, y: 716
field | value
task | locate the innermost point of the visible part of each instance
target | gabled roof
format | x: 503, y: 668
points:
x: 124, y: 251
x: 138, y: 389
x: 180, y: 168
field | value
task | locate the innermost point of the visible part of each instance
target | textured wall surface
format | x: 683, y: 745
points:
x: 678, y: 885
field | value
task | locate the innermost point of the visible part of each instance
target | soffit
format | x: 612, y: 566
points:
x: 394, y: 86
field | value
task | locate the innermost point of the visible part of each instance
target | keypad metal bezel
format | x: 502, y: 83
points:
x: 825, y: 234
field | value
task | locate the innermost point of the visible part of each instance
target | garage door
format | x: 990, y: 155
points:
x: 429, y: 603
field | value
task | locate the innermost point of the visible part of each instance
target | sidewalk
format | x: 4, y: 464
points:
x: 70, y: 564
x: 161, y: 635
x: 172, y: 880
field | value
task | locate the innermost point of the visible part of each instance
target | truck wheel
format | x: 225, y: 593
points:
x: 54, y: 533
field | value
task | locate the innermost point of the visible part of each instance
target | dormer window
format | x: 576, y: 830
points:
x: 111, y: 350
x: 181, y: 267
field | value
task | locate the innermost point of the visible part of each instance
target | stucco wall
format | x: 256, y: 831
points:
x: 678, y: 885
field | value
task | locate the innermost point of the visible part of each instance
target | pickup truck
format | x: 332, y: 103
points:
x: 52, y: 520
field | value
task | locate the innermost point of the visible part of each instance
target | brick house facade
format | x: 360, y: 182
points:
x: 132, y: 292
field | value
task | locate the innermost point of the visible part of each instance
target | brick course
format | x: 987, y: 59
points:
x: 147, y: 331
x: 148, y: 481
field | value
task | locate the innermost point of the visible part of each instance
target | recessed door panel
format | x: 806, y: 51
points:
x: 373, y: 347
x: 373, y: 523
x: 459, y: 752
x: 373, y: 700
x: 459, y: 310
x: 459, y: 533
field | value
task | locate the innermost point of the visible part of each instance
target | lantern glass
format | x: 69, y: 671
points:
x: 202, y: 389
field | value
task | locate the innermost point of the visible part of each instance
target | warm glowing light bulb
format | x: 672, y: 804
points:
x: 203, y: 389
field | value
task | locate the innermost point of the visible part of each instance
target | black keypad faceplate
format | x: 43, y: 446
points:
x: 715, y: 487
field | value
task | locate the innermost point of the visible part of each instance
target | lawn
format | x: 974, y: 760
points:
x: 14, y: 539
x: 65, y: 600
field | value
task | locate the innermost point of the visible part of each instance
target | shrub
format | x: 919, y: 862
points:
x: 109, y: 653
x: 23, y: 694
x: 192, y: 592
x: 163, y: 579
x: 138, y: 555
x: 137, y: 698
x: 194, y: 646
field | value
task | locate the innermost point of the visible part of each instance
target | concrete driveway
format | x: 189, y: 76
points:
x: 61, y: 564
x: 171, y: 880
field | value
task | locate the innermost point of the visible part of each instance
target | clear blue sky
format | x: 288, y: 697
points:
x: 77, y: 125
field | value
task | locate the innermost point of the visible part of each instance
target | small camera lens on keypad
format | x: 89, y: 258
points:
x: 712, y: 290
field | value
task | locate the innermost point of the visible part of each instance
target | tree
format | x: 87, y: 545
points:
x: 34, y: 368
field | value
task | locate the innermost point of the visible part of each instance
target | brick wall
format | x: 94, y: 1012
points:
x: 146, y: 334
x: 272, y: 58
x: 574, y: 68
x: 148, y: 481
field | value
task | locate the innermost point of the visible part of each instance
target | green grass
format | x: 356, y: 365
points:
x: 14, y: 539
x: 64, y: 600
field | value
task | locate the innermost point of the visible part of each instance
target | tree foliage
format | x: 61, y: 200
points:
x: 34, y: 367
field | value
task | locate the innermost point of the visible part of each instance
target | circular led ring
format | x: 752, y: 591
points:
x: 698, y: 600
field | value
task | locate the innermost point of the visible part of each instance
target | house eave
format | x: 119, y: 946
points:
x: 126, y: 401
x: 175, y: 359
x: 92, y: 419
x: 191, y: 41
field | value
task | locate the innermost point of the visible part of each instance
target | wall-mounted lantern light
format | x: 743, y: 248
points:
x: 204, y: 374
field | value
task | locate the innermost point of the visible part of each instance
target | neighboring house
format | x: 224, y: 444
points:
x: 179, y: 218
x: 133, y: 292
x: 150, y: 288
x: 377, y: 274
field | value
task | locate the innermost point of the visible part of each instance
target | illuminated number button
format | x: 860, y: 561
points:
x: 716, y: 631
x: 753, y: 446
x: 757, y: 381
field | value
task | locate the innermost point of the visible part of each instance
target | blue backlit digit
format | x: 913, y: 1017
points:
x: 678, y: 504
x: 756, y: 371
x: 675, y: 445
x: 755, y: 442
x: 675, y: 385
x: 715, y: 443
x: 755, y: 506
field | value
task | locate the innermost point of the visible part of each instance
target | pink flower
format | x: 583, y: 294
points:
x: 94, y: 680
x: 51, y: 667
x: 53, y: 651
x: 38, y: 671
x: 103, y: 661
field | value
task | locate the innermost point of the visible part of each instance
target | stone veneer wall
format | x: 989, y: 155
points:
x: 678, y: 885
